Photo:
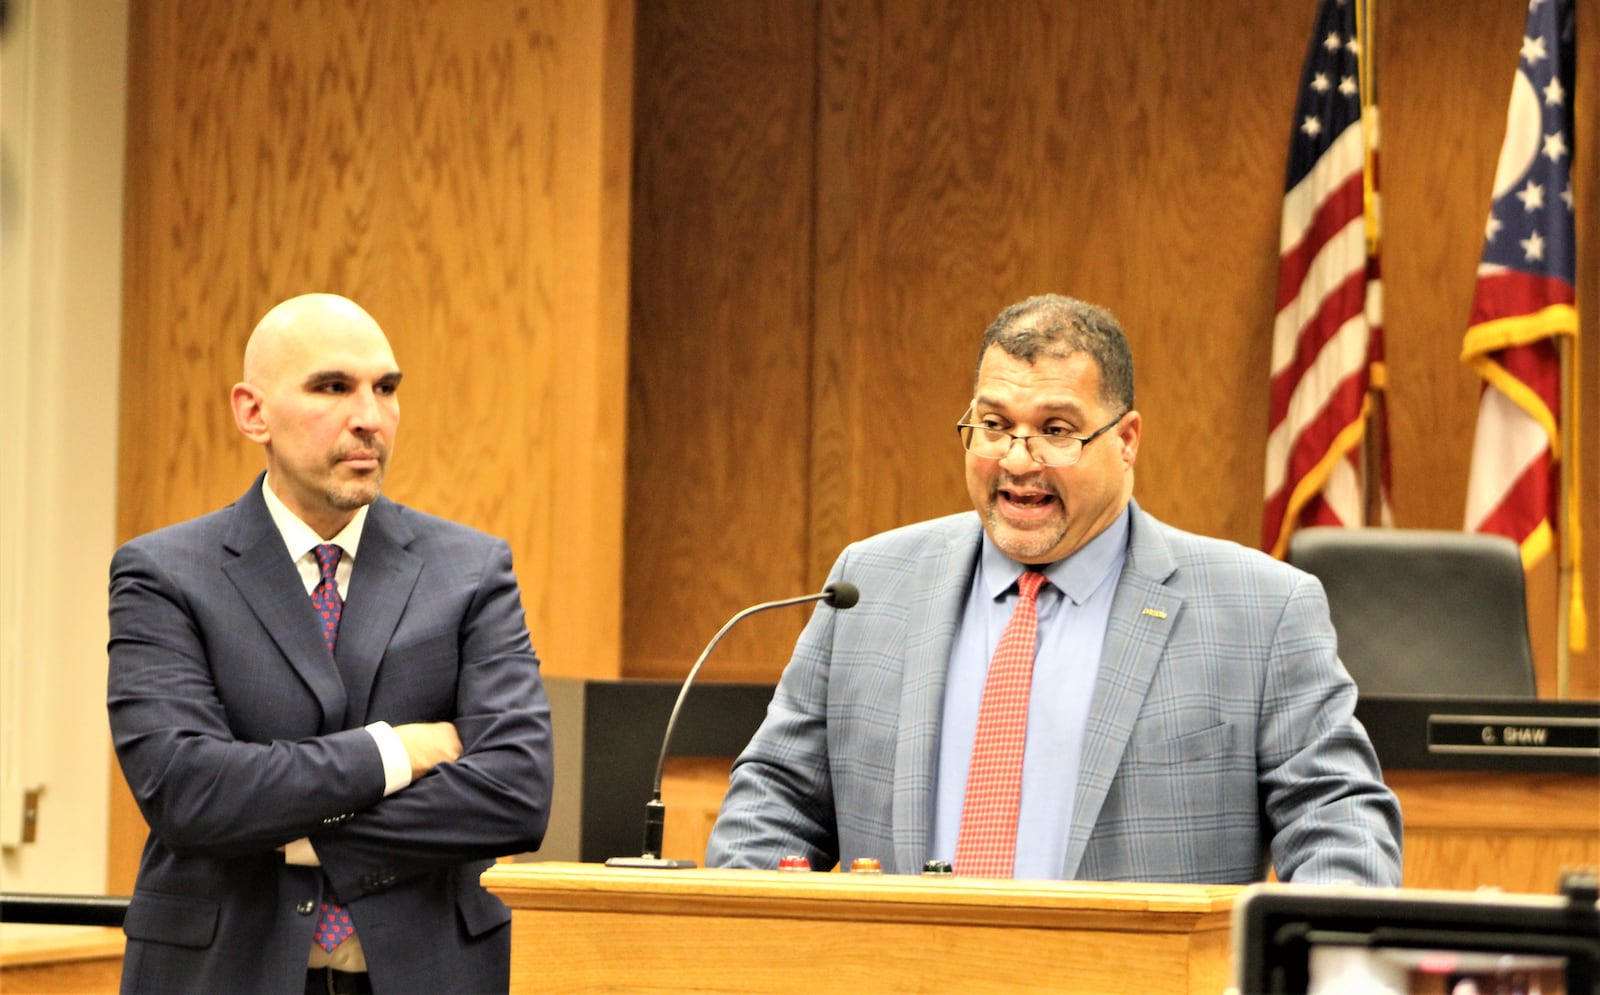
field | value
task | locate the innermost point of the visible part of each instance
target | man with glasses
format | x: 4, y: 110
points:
x: 1060, y: 686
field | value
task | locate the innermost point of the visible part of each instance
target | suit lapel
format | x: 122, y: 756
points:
x: 266, y: 578
x: 384, y: 576
x: 936, y: 593
x: 1142, y: 615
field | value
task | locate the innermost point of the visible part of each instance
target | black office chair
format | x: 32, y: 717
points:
x: 1424, y: 612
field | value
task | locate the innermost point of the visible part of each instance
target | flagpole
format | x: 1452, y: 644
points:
x: 1371, y: 454
x: 1564, y: 513
x: 1367, y: 83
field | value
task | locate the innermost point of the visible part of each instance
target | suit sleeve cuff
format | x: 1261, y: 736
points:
x: 396, y: 765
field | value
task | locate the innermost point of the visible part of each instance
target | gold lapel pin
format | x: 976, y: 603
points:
x: 1155, y: 613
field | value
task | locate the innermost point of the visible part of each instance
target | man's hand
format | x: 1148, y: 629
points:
x: 429, y: 744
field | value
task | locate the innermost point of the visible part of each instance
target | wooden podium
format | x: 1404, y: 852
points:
x: 588, y: 928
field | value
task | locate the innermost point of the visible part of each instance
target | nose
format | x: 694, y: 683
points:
x: 365, y: 415
x: 1018, y: 460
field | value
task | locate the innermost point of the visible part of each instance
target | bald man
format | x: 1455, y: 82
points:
x: 326, y: 704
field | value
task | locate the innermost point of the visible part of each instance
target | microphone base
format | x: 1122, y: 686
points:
x: 656, y: 863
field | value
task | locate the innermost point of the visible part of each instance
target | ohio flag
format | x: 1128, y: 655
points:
x: 1525, y: 302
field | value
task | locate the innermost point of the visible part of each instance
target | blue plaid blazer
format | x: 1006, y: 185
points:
x: 1221, y: 737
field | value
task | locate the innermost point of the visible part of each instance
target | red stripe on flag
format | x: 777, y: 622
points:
x: 1346, y: 301
x: 1338, y: 208
x: 1538, y: 365
x: 1343, y: 407
x: 1311, y: 447
x: 1527, y: 503
x: 1504, y: 294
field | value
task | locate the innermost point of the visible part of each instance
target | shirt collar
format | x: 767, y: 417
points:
x: 1078, y: 576
x: 301, y: 538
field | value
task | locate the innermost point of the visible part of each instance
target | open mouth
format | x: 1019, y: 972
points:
x: 1025, y: 501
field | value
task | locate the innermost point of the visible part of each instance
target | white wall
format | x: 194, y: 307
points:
x: 63, y: 90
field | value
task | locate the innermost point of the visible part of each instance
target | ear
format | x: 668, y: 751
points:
x: 249, y: 414
x: 1128, y: 436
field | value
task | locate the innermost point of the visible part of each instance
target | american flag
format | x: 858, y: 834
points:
x: 1525, y: 301
x: 1327, y: 340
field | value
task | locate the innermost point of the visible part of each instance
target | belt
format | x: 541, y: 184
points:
x: 327, y: 981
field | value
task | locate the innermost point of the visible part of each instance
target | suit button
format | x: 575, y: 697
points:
x: 306, y: 907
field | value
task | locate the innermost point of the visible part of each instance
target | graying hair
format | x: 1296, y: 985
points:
x: 1057, y: 326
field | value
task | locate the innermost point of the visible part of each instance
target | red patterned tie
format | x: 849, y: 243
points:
x: 987, y: 844
x: 333, y: 921
x: 325, y: 596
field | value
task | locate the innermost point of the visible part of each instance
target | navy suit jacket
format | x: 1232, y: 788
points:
x: 239, y: 732
x: 1221, y: 729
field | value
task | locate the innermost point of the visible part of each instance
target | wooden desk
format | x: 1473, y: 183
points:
x: 586, y: 927
x: 1509, y: 830
x: 79, y: 961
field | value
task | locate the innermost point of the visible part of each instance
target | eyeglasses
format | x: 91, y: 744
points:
x: 985, y: 442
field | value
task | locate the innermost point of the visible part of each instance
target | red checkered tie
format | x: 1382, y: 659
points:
x: 987, y: 843
x: 333, y: 921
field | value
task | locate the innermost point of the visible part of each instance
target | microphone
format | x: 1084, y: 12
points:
x: 838, y: 595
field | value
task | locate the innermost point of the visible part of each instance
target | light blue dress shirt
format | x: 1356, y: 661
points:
x: 1074, y: 608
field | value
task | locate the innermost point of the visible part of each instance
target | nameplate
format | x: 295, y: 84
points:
x: 1504, y: 735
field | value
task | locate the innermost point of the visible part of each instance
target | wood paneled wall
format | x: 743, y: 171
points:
x: 833, y: 199
x: 721, y: 387
x: 459, y: 167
